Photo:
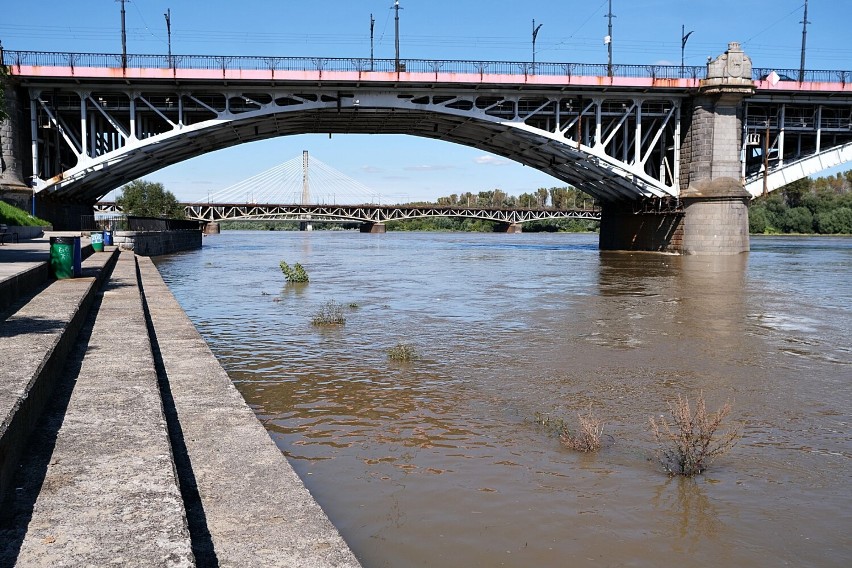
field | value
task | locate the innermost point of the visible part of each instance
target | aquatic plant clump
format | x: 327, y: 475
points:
x: 588, y: 439
x: 402, y: 352
x: 688, y: 445
x: 330, y: 313
x: 295, y: 274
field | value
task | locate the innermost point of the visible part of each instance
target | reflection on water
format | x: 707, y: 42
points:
x: 439, y: 462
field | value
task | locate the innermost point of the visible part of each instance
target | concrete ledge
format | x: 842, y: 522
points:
x: 35, y: 342
x: 110, y: 494
x: 19, y: 284
x: 155, y: 243
x: 258, y: 512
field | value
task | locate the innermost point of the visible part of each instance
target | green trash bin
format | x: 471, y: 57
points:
x: 98, y: 241
x: 62, y: 257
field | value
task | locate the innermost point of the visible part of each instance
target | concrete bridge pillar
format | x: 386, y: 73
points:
x: 715, y: 203
x: 714, y: 216
x: 12, y: 181
x: 508, y: 228
x: 375, y: 228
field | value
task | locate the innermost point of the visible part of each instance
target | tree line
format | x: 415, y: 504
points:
x: 808, y: 206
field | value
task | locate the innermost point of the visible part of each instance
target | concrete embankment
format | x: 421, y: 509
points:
x: 146, y: 454
x: 245, y: 485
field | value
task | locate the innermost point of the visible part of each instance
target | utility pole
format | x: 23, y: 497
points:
x: 168, y: 16
x: 805, y: 23
x: 683, y: 38
x: 534, y: 35
x: 372, y: 26
x: 123, y: 37
x: 396, y: 22
x: 608, y: 40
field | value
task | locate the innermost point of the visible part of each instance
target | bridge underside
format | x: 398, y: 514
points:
x: 618, y: 147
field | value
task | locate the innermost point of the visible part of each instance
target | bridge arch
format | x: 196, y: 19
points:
x: 615, y: 147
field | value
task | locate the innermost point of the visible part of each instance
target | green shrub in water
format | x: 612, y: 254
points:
x: 294, y: 274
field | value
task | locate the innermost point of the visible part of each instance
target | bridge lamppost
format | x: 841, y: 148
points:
x: 534, y: 35
x: 168, y: 16
x: 683, y: 39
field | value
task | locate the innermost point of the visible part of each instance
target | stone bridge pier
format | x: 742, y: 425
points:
x: 13, y: 186
x: 714, y: 215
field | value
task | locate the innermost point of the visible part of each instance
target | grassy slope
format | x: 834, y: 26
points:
x: 10, y: 215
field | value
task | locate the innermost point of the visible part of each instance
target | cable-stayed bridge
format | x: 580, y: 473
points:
x: 307, y: 190
x: 303, y: 180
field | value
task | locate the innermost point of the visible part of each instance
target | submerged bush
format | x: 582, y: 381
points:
x: 330, y: 313
x: 589, y: 437
x: 692, y: 441
x: 294, y: 274
x: 402, y: 352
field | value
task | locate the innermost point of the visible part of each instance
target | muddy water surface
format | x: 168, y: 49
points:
x: 441, y: 463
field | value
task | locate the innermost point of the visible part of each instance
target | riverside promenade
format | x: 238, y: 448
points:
x: 122, y: 439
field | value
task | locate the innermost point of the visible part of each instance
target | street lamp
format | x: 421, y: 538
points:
x: 683, y: 39
x: 534, y: 35
x: 168, y: 16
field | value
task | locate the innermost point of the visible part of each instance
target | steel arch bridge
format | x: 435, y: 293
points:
x: 97, y: 124
x: 97, y: 128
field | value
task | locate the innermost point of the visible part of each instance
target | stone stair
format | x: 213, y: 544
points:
x: 123, y: 440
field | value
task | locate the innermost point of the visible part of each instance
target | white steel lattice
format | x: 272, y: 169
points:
x: 613, y: 146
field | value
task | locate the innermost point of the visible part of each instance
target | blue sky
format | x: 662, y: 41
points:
x: 405, y: 168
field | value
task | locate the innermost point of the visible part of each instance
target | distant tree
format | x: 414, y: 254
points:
x: 798, y: 220
x: 835, y: 221
x: 794, y: 192
x: 541, y: 194
x: 148, y: 199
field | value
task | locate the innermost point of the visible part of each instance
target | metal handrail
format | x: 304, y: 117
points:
x: 346, y: 64
x: 363, y: 64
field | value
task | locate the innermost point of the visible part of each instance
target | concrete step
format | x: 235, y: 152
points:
x: 109, y: 493
x: 24, y: 269
x: 246, y: 504
x: 35, y: 341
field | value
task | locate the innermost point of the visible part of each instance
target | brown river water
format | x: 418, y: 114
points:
x: 441, y: 462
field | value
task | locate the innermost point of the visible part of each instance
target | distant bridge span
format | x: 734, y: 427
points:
x: 367, y: 213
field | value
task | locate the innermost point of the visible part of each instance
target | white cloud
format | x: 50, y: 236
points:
x: 491, y: 161
x: 429, y: 168
x: 372, y: 169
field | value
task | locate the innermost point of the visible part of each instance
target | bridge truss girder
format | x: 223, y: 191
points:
x: 798, y: 137
x: 375, y: 213
x: 615, y: 146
